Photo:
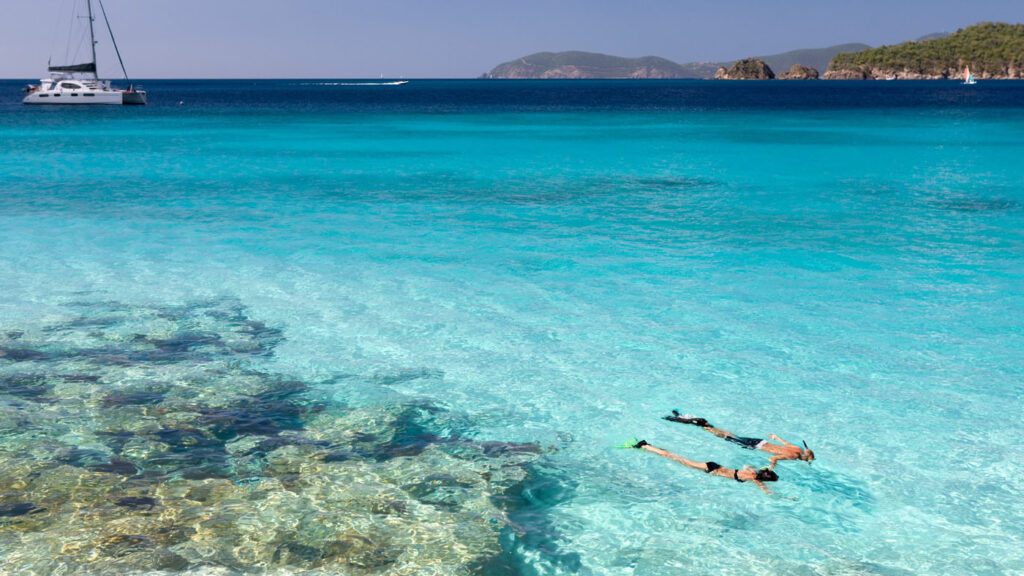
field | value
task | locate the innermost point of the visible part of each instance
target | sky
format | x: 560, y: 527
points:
x: 454, y: 38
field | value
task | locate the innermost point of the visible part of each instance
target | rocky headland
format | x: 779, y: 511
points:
x: 798, y: 72
x: 746, y: 69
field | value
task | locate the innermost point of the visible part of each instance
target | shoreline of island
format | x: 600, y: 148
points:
x: 993, y: 51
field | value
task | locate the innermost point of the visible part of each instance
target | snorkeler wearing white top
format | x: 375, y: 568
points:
x: 784, y: 451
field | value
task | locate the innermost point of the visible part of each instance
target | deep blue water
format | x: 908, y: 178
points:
x: 493, y: 265
x: 473, y: 96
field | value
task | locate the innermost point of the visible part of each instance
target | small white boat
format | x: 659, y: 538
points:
x: 968, y: 79
x: 79, y: 84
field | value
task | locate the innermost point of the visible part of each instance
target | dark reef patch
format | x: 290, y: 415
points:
x: 979, y: 205
x: 187, y: 439
x: 97, y: 461
x: 25, y: 386
x: 410, y: 437
x: 18, y: 509
x: 116, y: 466
x: 196, y: 465
x: 265, y: 414
x: 116, y: 440
x: 133, y: 399
x: 21, y: 354
x: 136, y: 502
x: 79, y: 378
x: 670, y: 182
x: 494, y: 448
x: 294, y: 553
x: 190, y: 452
x: 274, y: 442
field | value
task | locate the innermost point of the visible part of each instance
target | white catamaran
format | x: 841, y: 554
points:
x: 79, y: 84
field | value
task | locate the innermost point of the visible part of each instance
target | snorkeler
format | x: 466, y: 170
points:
x: 747, y: 474
x: 785, y: 451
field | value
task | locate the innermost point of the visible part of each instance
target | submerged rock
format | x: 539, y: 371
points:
x: 25, y: 386
x: 133, y: 399
x: 138, y: 502
x: 17, y: 509
x: 265, y: 414
x: 21, y: 354
x: 116, y: 466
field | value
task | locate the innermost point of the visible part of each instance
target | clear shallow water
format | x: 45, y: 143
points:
x: 552, y: 264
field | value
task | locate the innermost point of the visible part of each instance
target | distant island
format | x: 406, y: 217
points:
x: 992, y: 50
x: 576, y: 64
x: 589, y: 65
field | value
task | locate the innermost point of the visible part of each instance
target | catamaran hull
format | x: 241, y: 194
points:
x: 133, y: 98
x: 111, y: 98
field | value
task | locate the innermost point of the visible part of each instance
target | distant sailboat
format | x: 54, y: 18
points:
x: 79, y: 83
x: 968, y: 79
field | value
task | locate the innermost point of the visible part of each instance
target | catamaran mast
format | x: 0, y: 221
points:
x: 112, y: 41
x: 92, y: 42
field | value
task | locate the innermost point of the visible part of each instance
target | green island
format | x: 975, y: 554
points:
x: 992, y: 50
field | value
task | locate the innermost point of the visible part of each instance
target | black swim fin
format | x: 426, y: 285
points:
x: 675, y: 417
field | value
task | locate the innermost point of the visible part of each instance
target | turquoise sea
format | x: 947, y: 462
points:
x: 307, y: 327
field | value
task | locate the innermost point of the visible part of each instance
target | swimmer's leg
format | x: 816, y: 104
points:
x: 643, y: 445
x: 686, y: 419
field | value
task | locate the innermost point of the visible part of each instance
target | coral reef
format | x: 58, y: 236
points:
x: 140, y: 439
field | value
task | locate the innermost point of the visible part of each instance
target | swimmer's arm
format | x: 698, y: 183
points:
x: 773, y: 460
x: 776, y: 437
x: 761, y: 486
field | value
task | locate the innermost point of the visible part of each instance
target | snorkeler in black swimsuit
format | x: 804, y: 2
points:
x: 758, y: 477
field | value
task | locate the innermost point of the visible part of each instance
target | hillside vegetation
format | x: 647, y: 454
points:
x: 992, y: 50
